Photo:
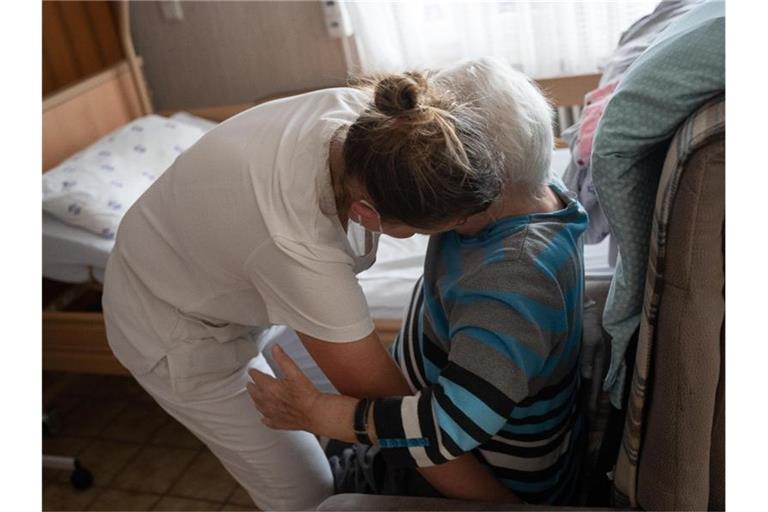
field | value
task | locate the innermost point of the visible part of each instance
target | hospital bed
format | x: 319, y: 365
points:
x: 74, y: 259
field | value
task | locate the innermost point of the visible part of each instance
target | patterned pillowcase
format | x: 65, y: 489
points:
x: 683, y: 68
x: 95, y: 187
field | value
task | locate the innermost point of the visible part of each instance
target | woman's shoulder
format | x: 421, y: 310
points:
x: 342, y: 94
x: 328, y: 99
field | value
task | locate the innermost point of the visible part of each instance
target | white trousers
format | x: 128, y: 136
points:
x: 281, y: 470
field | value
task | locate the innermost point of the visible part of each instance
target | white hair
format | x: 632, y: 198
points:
x: 517, y: 117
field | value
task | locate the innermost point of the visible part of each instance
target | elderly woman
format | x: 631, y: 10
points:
x: 491, y: 340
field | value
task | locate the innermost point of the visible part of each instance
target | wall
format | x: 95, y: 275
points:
x: 79, y: 40
x: 224, y: 53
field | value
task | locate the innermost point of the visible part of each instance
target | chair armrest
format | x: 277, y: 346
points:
x: 368, y: 502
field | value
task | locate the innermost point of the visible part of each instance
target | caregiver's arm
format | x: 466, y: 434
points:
x: 362, y: 368
x: 300, y: 290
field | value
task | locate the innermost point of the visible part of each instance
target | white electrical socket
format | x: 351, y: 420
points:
x: 171, y: 10
x: 337, y: 21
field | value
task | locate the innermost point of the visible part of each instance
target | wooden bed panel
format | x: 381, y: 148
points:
x: 77, y: 342
x: 79, y: 39
x: 567, y: 91
x: 387, y: 330
x: 81, y: 114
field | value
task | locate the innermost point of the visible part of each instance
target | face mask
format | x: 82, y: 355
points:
x: 363, y: 243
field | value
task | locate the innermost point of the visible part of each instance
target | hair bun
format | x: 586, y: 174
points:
x: 398, y: 94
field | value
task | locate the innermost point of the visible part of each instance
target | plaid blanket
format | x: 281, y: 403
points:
x: 700, y: 128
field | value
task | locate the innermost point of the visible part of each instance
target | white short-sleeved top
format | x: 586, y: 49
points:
x: 242, y: 230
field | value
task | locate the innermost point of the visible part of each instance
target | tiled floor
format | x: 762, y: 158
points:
x: 140, y: 457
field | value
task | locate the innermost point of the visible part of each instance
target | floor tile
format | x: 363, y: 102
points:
x: 104, y: 459
x: 83, y: 384
x: 154, y: 469
x: 205, y: 479
x: 240, y: 497
x: 90, y: 417
x: 64, y: 445
x: 176, y: 435
x: 54, y: 385
x: 55, y: 475
x: 174, y: 503
x: 115, y: 499
x: 57, y: 496
x: 136, y: 423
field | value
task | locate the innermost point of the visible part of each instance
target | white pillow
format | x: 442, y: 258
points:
x: 187, y: 118
x: 95, y: 187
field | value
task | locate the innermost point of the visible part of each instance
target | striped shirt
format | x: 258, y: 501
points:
x: 490, y: 348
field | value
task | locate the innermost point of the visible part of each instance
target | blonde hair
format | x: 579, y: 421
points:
x: 422, y: 155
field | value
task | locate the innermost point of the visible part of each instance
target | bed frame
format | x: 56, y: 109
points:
x: 75, y: 341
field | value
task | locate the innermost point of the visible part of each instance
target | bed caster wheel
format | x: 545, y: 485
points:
x: 81, y: 479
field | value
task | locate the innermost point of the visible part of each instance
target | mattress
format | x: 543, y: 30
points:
x: 74, y: 255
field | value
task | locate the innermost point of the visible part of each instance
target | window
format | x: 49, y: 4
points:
x: 540, y: 38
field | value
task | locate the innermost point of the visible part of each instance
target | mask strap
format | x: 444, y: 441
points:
x: 378, y: 216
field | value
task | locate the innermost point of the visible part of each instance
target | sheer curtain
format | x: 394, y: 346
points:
x: 540, y: 38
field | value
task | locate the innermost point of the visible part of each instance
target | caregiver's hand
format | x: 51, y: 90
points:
x: 287, y: 403
x: 293, y: 402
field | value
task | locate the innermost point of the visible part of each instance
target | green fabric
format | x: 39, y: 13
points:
x: 683, y: 68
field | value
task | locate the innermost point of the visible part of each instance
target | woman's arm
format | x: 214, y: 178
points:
x: 362, y: 368
x: 461, y: 478
x: 294, y: 403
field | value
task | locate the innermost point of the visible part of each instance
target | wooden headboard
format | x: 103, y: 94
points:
x: 568, y: 91
x: 80, y: 114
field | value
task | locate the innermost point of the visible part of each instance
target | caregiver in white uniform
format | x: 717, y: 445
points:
x: 240, y: 244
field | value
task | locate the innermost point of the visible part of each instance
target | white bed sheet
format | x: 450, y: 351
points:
x: 560, y: 159
x: 74, y: 255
